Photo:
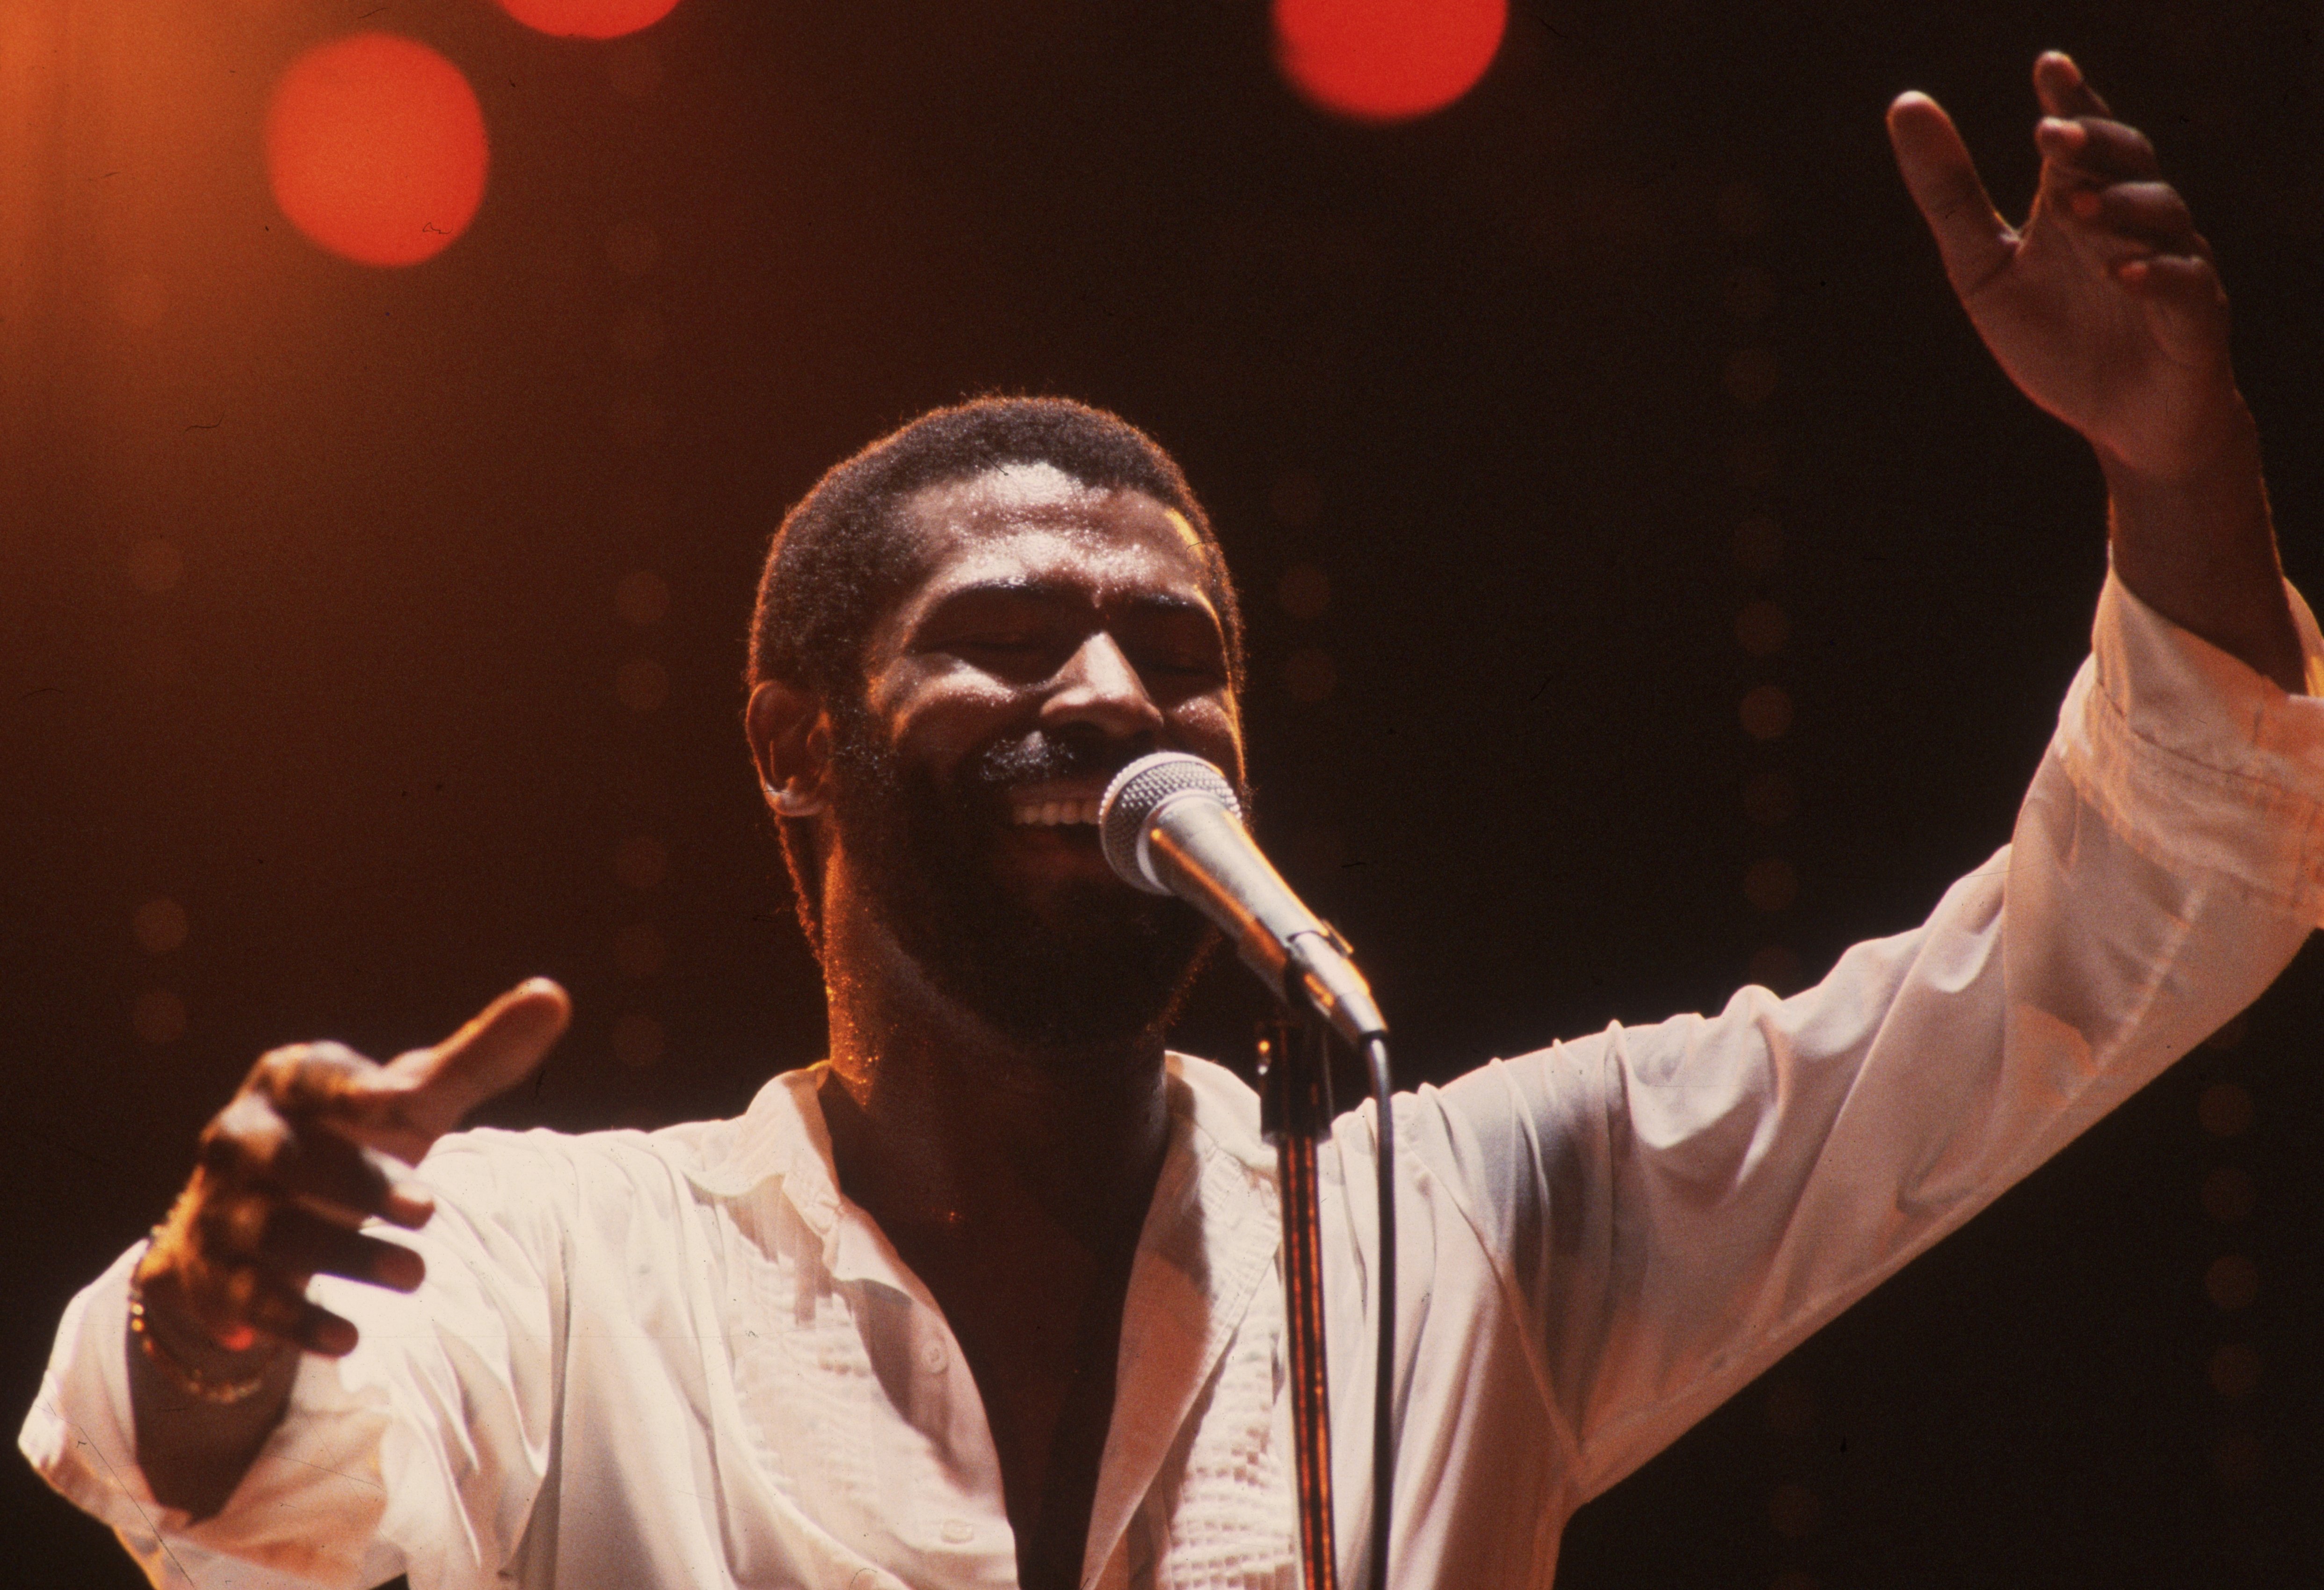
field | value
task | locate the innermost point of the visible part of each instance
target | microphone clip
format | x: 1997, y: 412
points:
x: 1295, y: 1080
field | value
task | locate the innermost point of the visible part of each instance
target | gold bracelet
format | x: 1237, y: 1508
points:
x: 192, y: 1381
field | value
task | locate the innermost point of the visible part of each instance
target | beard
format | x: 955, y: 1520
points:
x: 1092, y: 964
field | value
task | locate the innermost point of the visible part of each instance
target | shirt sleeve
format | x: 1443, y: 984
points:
x: 420, y: 1452
x: 1674, y: 1208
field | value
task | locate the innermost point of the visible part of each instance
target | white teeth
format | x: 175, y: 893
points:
x: 1050, y: 814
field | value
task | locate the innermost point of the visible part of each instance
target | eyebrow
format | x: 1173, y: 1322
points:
x: 1041, y: 590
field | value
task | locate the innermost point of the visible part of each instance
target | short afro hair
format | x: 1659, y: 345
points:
x: 841, y: 555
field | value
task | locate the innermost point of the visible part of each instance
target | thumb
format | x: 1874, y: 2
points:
x: 2185, y: 305
x: 408, y: 1103
x: 1975, y: 241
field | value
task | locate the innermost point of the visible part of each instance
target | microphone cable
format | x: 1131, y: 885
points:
x: 1384, y: 1388
x: 1209, y: 861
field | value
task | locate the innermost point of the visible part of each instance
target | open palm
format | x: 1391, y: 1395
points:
x: 2104, y: 307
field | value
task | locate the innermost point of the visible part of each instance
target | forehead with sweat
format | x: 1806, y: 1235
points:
x: 1104, y: 524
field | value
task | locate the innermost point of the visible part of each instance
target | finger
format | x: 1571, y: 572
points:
x: 346, y: 1182
x: 241, y: 1306
x: 2185, y: 305
x: 2181, y: 286
x: 305, y: 1078
x: 1975, y: 242
x: 250, y: 1145
x: 256, y: 1233
x: 296, y: 1244
x: 245, y: 1140
x: 2095, y: 150
x: 2058, y: 84
x: 2150, y: 213
x: 273, y: 1308
x: 358, y: 1257
x: 230, y: 1225
x: 417, y: 1097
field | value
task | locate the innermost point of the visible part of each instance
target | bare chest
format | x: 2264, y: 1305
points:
x: 1041, y: 1340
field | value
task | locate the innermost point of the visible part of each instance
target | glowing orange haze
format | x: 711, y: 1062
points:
x: 376, y: 149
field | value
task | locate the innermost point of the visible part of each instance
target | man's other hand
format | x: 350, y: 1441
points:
x: 2106, y: 309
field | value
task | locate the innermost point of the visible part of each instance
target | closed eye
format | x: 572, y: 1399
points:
x: 1015, y: 656
x: 1023, y: 635
x: 1178, y: 665
x: 1007, y: 643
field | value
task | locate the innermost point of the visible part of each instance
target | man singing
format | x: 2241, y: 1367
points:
x: 991, y: 1297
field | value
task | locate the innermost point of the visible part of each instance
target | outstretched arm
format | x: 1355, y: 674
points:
x: 2106, y: 309
x: 1668, y: 1209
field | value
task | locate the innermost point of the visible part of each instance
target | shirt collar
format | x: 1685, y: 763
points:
x: 1208, y: 1243
x: 782, y: 1134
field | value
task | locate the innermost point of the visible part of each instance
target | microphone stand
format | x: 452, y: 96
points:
x: 1172, y: 825
x: 1294, y: 1113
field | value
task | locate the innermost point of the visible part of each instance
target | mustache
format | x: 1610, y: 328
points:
x: 1038, y: 757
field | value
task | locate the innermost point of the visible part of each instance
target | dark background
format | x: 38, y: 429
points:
x: 362, y: 718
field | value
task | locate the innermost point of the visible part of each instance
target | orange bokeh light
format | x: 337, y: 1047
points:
x: 376, y: 149
x: 1386, y: 60
x: 588, y: 19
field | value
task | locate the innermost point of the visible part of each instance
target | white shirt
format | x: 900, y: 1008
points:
x: 683, y: 1359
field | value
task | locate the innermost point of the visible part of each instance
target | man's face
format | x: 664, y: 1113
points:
x: 1054, y: 634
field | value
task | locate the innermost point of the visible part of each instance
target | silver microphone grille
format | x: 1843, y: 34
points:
x: 1134, y: 795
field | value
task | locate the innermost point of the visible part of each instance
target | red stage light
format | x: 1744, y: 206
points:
x: 376, y: 149
x: 588, y: 19
x: 1386, y: 60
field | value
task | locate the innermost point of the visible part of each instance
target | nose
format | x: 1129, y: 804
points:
x: 1098, y: 687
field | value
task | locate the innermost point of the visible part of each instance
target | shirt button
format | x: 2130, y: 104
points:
x: 933, y: 1359
x: 957, y: 1532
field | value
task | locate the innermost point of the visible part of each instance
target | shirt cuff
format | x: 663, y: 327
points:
x: 303, y: 1516
x: 78, y: 1436
x: 2201, y: 763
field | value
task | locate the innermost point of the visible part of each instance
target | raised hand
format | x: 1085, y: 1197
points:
x: 2104, y: 309
x: 304, y: 1152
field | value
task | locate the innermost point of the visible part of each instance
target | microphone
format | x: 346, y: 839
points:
x: 1171, y: 825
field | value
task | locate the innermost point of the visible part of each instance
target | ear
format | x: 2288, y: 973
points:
x: 791, y: 742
